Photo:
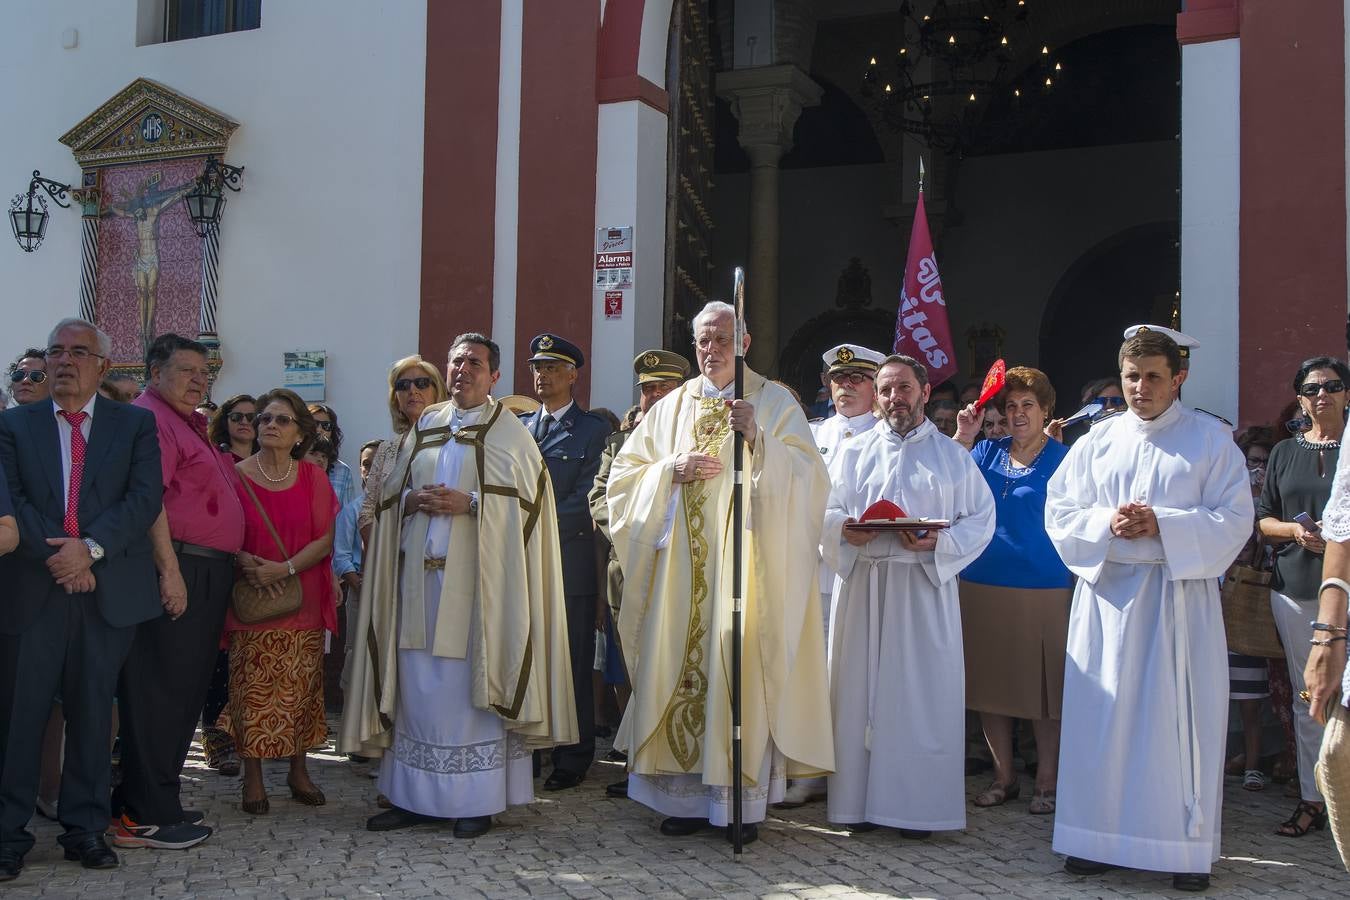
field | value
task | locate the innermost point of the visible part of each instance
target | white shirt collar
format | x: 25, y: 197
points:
x: 858, y: 423
x: 88, y: 409
x: 924, y: 428
x: 560, y: 412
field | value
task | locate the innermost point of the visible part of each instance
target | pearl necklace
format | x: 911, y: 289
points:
x: 290, y: 467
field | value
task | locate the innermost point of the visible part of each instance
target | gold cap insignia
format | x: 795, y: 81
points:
x: 651, y: 360
x: 845, y: 355
x: 545, y: 342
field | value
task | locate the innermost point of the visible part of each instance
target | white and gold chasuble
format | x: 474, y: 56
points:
x: 674, y: 545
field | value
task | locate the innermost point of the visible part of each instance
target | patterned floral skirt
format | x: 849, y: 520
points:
x: 276, y: 693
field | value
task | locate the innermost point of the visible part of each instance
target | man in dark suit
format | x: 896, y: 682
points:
x: 571, y: 441
x: 84, y: 476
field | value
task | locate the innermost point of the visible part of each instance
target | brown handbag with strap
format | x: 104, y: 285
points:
x: 1247, y: 617
x: 252, y: 604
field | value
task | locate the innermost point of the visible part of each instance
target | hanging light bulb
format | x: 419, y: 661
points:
x: 1058, y: 67
x: 888, y: 88
x: 1045, y: 51
x: 972, y: 97
x: 951, y: 39
x: 872, y: 61
x: 1017, y: 92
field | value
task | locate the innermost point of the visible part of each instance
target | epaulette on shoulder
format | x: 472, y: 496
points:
x: 1215, y: 416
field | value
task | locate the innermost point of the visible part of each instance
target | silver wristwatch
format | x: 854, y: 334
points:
x: 95, y: 549
x: 473, y: 504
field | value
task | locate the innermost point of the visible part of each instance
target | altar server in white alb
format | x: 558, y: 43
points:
x: 897, y: 675
x: 1148, y: 509
x: 852, y: 372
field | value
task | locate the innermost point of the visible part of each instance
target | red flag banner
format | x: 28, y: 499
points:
x: 921, y: 328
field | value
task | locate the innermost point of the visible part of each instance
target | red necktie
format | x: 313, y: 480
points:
x: 72, y: 521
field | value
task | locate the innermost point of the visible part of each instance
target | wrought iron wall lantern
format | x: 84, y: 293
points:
x: 206, y: 201
x: 28, y: 212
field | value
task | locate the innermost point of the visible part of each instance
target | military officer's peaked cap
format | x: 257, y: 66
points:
x: 549, y: 347
x: 660, y: 365
x: 851, y: 356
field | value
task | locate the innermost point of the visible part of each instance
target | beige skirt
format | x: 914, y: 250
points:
x: 1015, y: 640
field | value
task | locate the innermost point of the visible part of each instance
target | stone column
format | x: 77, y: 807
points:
x: 766, y: 101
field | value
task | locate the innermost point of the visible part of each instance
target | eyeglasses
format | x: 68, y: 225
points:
x: 324, y: 426
x: 237, y: 417
x: 407, y: 384
x: 36, y: 376
x: 852, y: 378
x: 79, y: 354
x: 1313, y: 388
x: 1110, y: 402
x: 268, y: 418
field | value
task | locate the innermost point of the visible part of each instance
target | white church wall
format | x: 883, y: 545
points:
x: 322, y: 248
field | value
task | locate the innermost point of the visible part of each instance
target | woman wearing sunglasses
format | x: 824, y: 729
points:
x: 276, y: 707
x: 339, y: 473
x: 28, y: 377
x: 232, y: 427
x: 1299, y: 477
x: 414, y: 384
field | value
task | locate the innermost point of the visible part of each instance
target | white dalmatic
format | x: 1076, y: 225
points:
x: 1146, y: 679
x: 897, y: 675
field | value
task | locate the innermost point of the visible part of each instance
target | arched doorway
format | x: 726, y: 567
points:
x: 1129, y: 278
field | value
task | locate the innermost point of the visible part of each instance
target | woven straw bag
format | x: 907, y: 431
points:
x: 1247, y: 619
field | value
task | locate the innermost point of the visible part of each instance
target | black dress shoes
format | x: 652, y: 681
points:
x: 92, y: 852
x: 677, y: 826
x: 858, y: 827
x: 561, y: 780
x: 1075, y: 865
x: 395, y: 818
x: 11, y: 864
x: 617, y: 789
x: 1190, y: 882
x: 914, y: 834
x: 473, y: 826
x: 749, y: 833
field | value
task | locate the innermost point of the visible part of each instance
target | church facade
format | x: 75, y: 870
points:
x: 414, y: 170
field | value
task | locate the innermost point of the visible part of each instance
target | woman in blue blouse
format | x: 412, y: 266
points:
x: 1015, y: 598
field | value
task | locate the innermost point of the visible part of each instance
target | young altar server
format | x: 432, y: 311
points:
x: 1148, y: 509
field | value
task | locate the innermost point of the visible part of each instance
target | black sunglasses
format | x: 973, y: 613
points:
x: 283, y: 420
x: 1313, y: 388
x: 1110, y: 402
x: 407, y: 384
x: 36, y: 376
x: 326, y: 426
x: 237, y: 417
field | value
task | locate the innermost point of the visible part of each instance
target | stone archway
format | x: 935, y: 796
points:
x: 1129, y: 278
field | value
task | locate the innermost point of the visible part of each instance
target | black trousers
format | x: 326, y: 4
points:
x: 161, y: 691
x: 581, y: 644
x: 72, y: 648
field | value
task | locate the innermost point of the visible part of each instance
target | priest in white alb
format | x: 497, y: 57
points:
x: 669, y: 497
x: 1148, y: 509
x: 462, y: 610
x: 897, y: 675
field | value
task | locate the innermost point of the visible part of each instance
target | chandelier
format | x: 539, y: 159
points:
x: 952, y: 61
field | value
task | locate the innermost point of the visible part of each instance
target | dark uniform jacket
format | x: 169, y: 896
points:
x: 571, y: 452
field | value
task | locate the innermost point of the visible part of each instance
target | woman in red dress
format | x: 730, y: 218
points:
x: 276, y: 667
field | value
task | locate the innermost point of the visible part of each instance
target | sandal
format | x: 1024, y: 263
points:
x: 1042, y: 802
x: 255, y: 807
x: 998, y: 794
x: 1317, y: 820
x: 1254, y: 780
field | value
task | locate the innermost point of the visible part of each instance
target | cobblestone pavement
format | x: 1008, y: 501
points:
x: 580, y: 843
